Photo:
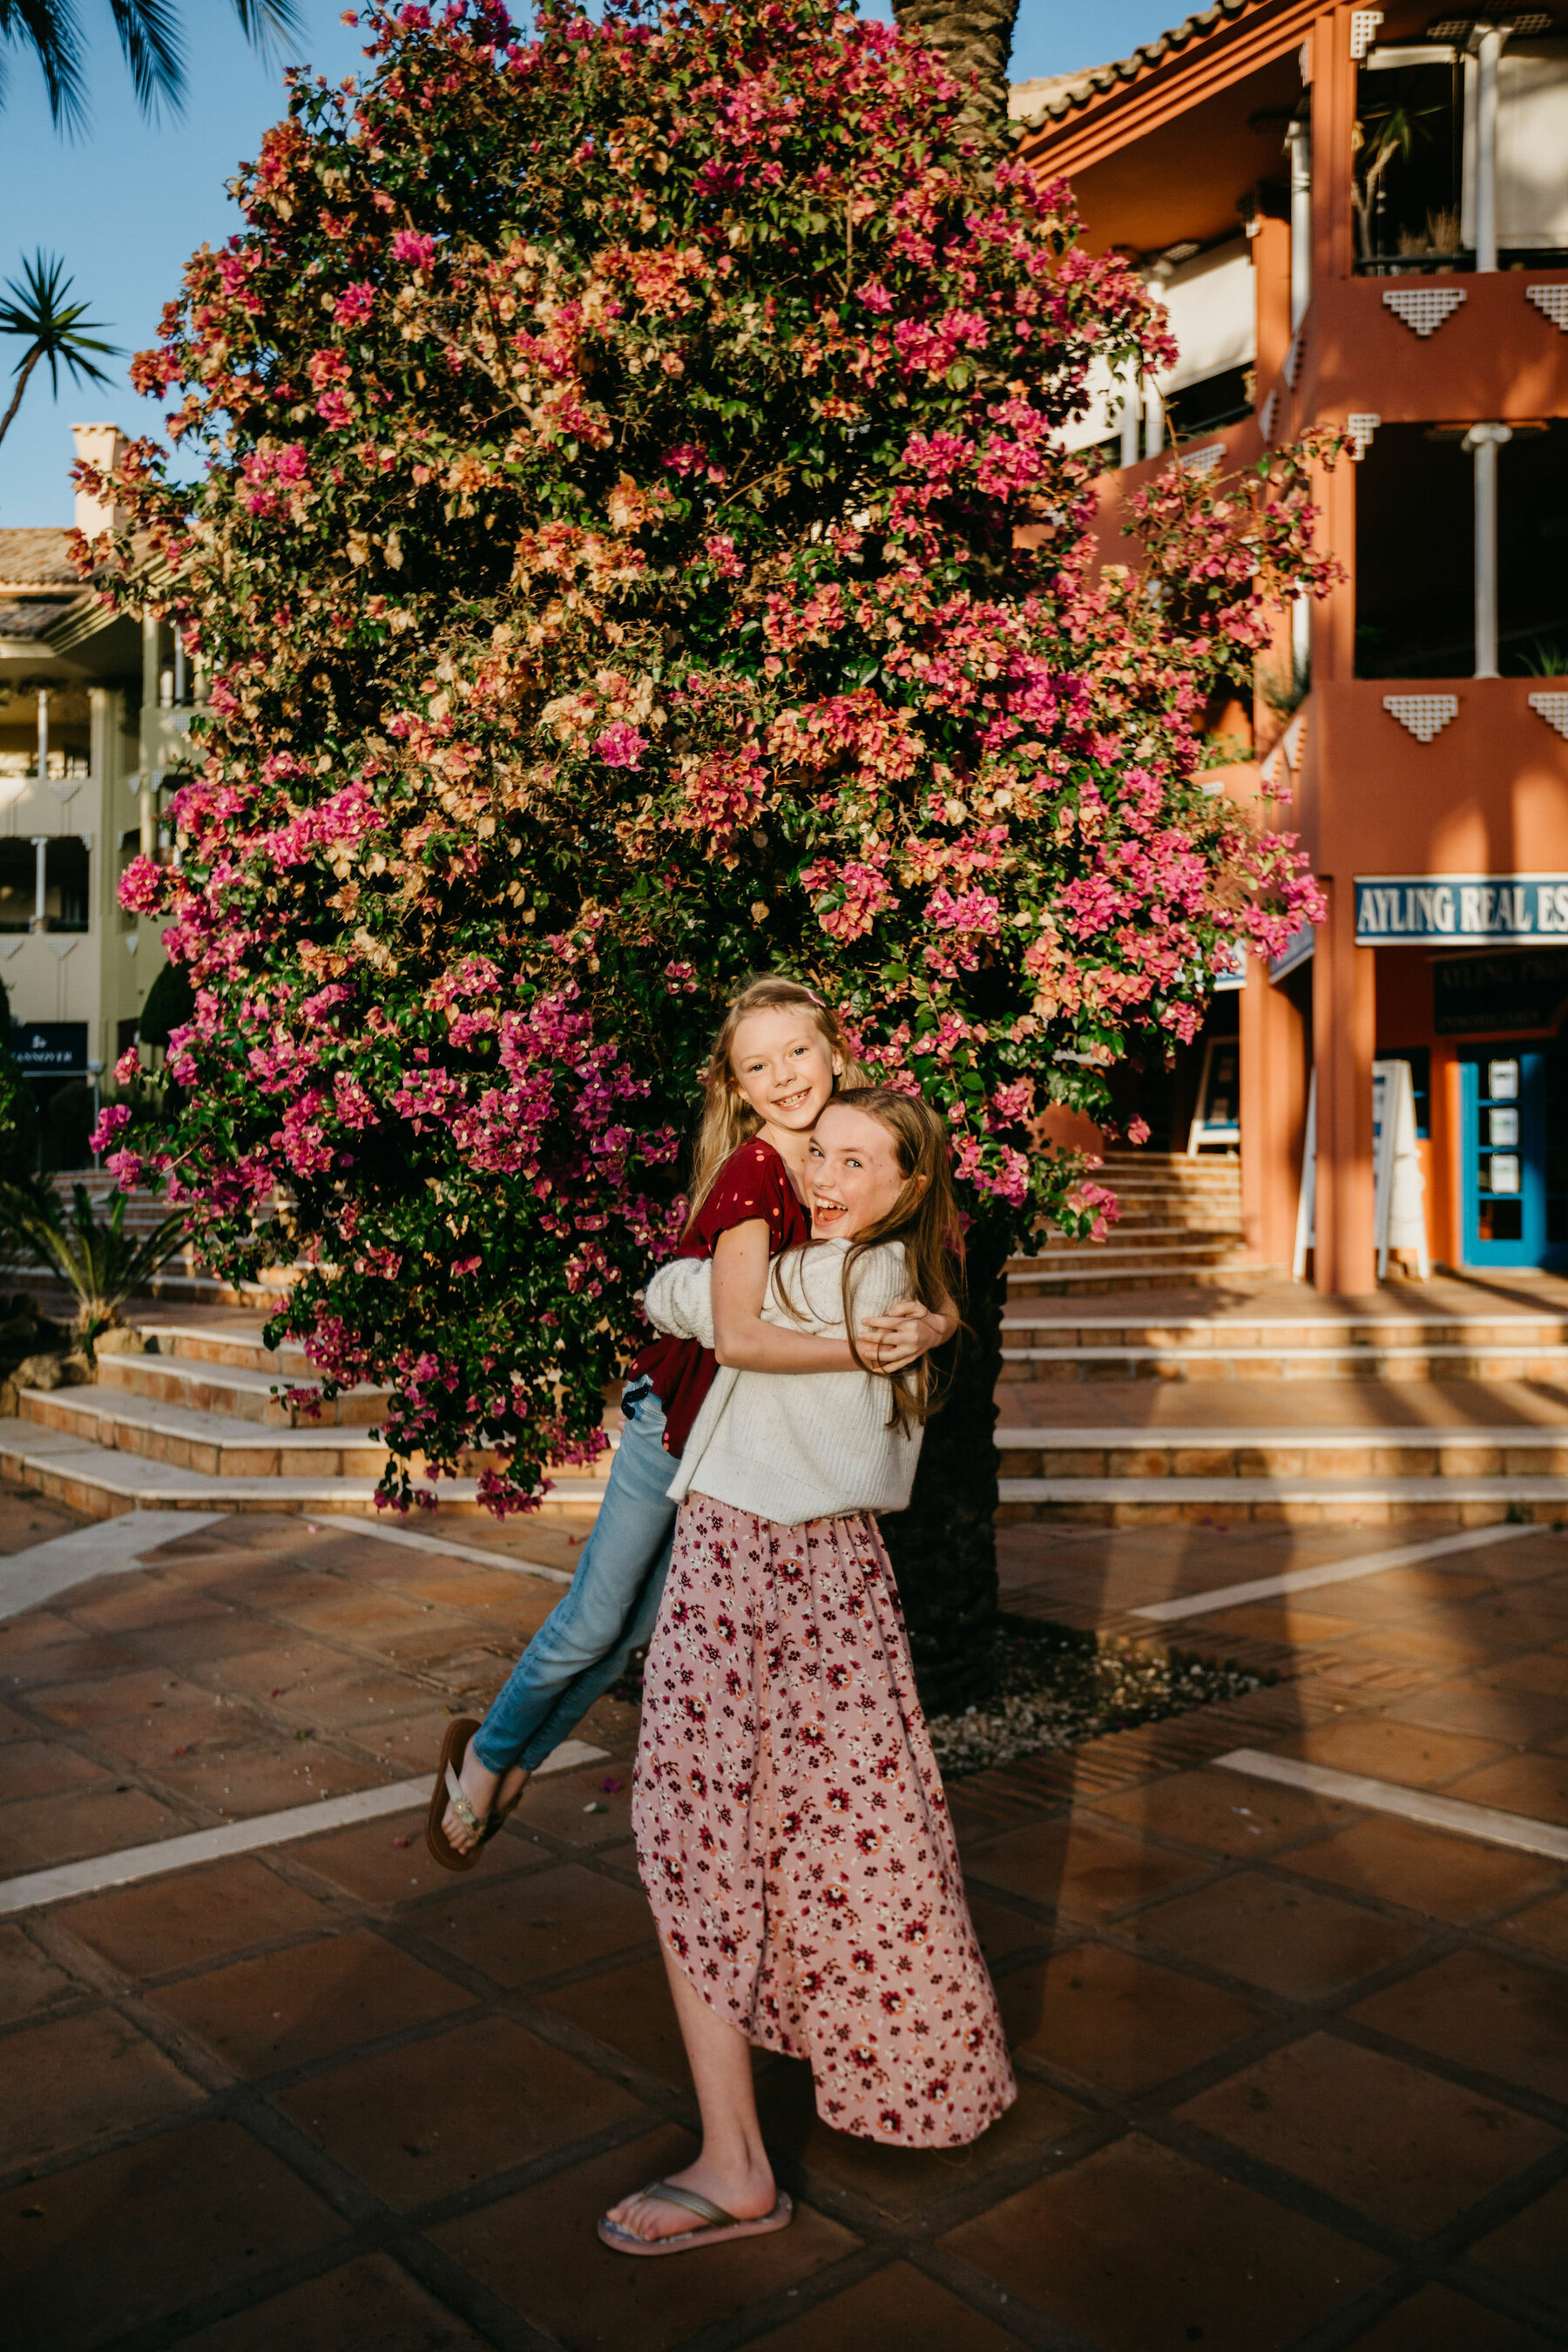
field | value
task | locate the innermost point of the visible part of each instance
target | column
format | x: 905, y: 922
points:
x: 1299, y: 142
x: 1483, y: 441
x: 1273, y: 1115
x: 40, y: 921
x: 1345, y: 1043
x: 1333, y: 104
x: 43, y: 732
x: 1486, y: 41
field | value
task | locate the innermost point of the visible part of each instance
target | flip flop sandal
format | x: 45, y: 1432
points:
x: 449, y: 1791
x: 721, y: 2226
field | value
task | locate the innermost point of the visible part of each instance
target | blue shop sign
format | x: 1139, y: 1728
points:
x: 1404, y: 910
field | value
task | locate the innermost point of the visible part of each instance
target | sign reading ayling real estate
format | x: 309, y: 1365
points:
x: 1405, y: 910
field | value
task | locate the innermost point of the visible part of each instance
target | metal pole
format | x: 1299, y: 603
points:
x: 40, y: 921
x: 1488, y: 40
x: 1131, y: 425
x: 179, y: 671
x: 1299, y: 139
x: 97, y: 1070
x: 1153, y: 419
x: 43, y: 732
x: 1483, y: 441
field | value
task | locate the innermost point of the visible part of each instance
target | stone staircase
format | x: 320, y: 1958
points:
x: 1179, y: 1223
x: 197, y: 1421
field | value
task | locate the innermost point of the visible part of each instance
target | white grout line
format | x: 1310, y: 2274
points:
x: 107, y: 1547
x: 137, y: 1862
x: 1411, y: 1804
x: 451, y: 1550
x: 1335, y: 1571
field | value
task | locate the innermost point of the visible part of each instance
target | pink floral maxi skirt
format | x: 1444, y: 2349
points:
x: 791, y: 1832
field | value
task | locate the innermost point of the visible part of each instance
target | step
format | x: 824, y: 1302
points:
x: 1459, y: 1451
x: 1307, y: 1502
x: 1198, y: 1249
x: 1457, y: 1361
x: 238, y: 1344
x: 1088, y: 1279
x: 240, y: 1391
x: 219, y: 1446
x: 100, y: 1483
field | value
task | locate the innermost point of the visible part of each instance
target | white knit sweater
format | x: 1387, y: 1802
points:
x: 793, y: 1445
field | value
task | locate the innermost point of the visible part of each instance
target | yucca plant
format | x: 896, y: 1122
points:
x: 93, y: 1256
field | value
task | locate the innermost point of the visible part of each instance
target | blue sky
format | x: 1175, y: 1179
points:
x: 126, y: 203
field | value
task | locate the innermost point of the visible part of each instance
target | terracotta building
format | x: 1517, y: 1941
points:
x: 1359, y: 217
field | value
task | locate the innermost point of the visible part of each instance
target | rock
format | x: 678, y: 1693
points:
x: 9, y: 1406
x: 119, y: 1340
x: 76, y: 1370
x: 38, y: 1373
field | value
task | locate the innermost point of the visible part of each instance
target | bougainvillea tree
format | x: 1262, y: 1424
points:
x: 635, y: 548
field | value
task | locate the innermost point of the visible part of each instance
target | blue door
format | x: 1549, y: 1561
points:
x: 1515, y: 1146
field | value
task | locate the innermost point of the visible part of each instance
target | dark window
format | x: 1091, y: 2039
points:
x: 1415, y: 537
x: 1223, y: 399
x: 17, y: 869
x: 65, y: 882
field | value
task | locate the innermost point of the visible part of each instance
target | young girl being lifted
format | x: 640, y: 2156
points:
x: 776, y: 1063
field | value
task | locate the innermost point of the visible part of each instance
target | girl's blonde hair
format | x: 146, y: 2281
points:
x: 727, y: 1119
x: 925, y: 1218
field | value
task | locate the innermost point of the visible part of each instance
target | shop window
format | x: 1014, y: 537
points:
x: 17, y: 872
x: 66, y: 882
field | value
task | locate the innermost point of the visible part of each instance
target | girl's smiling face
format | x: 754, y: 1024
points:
x: 784, y: 1067
x: 852, y: 1175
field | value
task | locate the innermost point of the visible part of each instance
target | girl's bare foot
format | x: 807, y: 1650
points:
x: 747, y: 2191
x: 485, y: 1792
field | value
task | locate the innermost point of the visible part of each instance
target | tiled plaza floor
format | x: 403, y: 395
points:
x: 1292, y: 2073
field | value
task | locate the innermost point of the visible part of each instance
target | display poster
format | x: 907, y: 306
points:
x: 1399, y: 1212
x: 1217, y: 1118
x: 52, y: 1049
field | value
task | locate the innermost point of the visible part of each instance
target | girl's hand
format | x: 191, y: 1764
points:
x: 905, y: 1333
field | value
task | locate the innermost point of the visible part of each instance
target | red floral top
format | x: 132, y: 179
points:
x: 752, y: 1182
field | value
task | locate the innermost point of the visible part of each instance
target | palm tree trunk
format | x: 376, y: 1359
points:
x: 943, y: 1548
x: 23, y: 372
x: 974, y: 36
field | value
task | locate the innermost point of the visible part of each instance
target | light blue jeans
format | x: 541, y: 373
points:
x: 584, y: 1644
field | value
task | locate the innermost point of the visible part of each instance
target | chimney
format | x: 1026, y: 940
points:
x: 97, y: 445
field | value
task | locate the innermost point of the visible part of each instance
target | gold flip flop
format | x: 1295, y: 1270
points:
x: 720, y: 2226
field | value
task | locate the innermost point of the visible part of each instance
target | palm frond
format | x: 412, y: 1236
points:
x: 150, y: 43
x: 55, y: 330
x: 97, y: 1260
x: 267, y: 23
x: 51, y: 31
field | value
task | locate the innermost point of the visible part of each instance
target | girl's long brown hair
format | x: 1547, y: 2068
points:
x: 925, y: 1218
x: 727, y: 1119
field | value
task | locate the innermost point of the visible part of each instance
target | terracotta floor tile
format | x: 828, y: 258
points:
x: 193, y: 1916
x: 410, y: 1744
x: 1542, y: 1670
x: 239, y: 1776
x: 1535, y: 1785
x: 1385, y: 2138
x: 46, y: 1767
x: 1124, y: 2023
x: 556, y: 1804
x: 1139, y: 2250
x: 16, y: 1727
x: 75, y: 2079
x: 1389, y: 1751
x: 1530, y: 2251
x: 629, y: 2010
x: 159, y: 1735
x: 1542, y: 1929
x: 442, y: 2114
x: 899, y: 2183
x: 1282, y: 1620
x: 66, y: 1657
x: 1002, y: 1931
x: 29, y: 1981
x: 900, y: 2305
x: 44, y: 1831
x: 1500, y: 2017
x: 1289, y: 1938
x: 1439, y: 2321
x: 1426, y: 1870
x: 382, y: 1861
x: 276, y: 1670
x: 357, y: 1692
x: 1077, y: 1867
x: 596, y: 2301
x: 141, y: 1602
x: 111, y: 2245
x: 36, y: 1629
x: 202, y: 1647
x: 1220, y: 1811
x: 371, y: 2305
x: 262, y: 2015
x: 1513, y: 1716
x: 83, y: 1707
x: 525, y: 1928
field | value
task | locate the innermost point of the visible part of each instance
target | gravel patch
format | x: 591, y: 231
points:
x: 1055, y: 1686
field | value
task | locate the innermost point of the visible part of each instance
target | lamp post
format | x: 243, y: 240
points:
x: 1483, y: 441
